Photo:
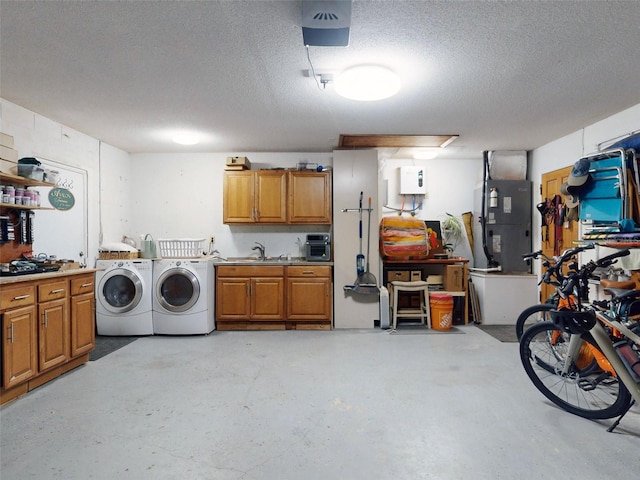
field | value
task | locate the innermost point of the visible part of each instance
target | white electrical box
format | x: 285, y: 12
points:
x: 412, y: 181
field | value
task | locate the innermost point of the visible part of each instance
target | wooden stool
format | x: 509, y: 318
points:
x: 422, y: 312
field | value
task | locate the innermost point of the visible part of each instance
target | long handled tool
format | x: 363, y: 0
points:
x: 360, y: 256
x: 368, y: 279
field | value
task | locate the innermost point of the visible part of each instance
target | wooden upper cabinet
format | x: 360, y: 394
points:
x: 277, y: 197
x: 238, y: 192
x: 309, y: 197
x: 271, y: 196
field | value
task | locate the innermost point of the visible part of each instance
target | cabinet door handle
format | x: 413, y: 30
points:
x: 11, y: 333
x: 44, y: 321
x: 84, y: 285
x: 21, y: 297
x: 307, y: 272
x: 58, y: 290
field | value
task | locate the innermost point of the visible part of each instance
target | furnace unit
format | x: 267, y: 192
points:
x: 507, y: 225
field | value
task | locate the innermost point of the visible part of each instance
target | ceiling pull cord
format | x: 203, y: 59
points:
x: 313, y: 71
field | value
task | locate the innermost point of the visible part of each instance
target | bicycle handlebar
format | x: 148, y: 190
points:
x: 531, y: 255
x: 567, y: 254
x: 580, y: 277
x: 608, y: 260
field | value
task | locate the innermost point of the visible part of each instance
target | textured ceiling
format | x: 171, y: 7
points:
x: 502, y: 75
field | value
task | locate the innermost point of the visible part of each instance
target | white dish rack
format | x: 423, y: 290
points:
x: 180, y: 247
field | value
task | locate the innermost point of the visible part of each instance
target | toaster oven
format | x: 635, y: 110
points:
x: 318, y: 247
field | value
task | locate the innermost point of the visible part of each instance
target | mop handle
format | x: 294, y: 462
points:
x: 368, y: 233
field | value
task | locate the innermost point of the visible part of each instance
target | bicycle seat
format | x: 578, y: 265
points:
x: 620, y: 294
x: 612, y: 284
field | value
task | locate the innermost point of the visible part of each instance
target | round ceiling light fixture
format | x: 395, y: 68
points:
x: 186, y: 138
x: 367, y: 83
x: 427, y: 153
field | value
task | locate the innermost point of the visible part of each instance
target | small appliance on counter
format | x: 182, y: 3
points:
x: 318, y: 247
x: 27, y: 266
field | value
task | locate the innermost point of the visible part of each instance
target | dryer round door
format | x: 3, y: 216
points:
x: 177, y: 290
x: 120, y: 290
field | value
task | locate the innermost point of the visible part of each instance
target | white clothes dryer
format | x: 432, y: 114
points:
x: 124, y: 297
x: 183, y: 296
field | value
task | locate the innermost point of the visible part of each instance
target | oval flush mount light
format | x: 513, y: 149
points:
x: 427, y: 153
x: 367, y: 83
x: 186, y: 138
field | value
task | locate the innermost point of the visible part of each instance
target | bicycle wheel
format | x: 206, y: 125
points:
x: 531, y: 316
x: 588, y: 392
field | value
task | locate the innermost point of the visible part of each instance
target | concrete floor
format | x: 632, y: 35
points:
x: 346, y: 404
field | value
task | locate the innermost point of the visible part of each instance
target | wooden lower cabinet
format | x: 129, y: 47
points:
x: 273, y: 297
x: 309, y: 295
x: 53, y: 334
x: 48, y: 329
x: 19, y: 346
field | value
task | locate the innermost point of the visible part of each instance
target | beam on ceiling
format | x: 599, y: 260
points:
x: 394, y: 141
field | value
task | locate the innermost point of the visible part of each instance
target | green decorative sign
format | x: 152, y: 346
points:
x: 61, y: 199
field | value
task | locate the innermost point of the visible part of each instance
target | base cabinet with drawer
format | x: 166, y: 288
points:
x: 48, y: 328
x: 309, y: 293
x: 272, y: 297
x: 53, y: 323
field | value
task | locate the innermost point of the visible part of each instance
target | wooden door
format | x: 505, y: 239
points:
x: 309, y: 298
x: 309, y: 197
x: 53, y: 334
x: 238, y: 192
x: 267, y: 298
x: 82, y: 324
x: 19, y: 346
x: 271, y: 197
x: 233, y: 299
x: 555, y: 238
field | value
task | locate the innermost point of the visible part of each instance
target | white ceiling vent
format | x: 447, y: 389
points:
x: 326, y: 23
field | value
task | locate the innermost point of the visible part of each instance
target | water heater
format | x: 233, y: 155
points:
x: 412, y: 181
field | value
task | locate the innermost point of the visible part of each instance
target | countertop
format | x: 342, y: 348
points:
x: 274, y: 261
x: 45, y: 276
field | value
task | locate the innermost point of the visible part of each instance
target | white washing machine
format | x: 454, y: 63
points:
x: 124, y: 297
x: 183, y: 296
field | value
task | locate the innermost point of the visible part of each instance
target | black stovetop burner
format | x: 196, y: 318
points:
x: 27, y: 267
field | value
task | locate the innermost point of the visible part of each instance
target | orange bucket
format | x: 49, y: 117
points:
x: 441, y: 305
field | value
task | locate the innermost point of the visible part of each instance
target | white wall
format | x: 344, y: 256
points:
x: 180, y: 196
x: 37, y: 136
x: 449, y: 183
x: 116, y: 209
x: 355, y: 171
x: 565, y: 151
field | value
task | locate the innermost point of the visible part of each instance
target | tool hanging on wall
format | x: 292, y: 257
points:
x: 368, y: 279
x: 366, y: 283
x: 360, y: 256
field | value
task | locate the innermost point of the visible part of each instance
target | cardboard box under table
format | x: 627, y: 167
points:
x: 454, y: 278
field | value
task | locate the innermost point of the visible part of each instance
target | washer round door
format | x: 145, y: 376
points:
x: 177, y: 290
x: 120, y: 290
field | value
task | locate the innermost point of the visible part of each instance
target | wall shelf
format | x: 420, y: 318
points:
x: 23, y: 207
x: 23, y: 181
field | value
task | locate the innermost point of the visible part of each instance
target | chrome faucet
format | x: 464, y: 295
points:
x: 261, y: 248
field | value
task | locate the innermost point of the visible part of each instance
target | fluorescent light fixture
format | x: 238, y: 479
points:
x: 186, y: 138
x: 367, y: 83
x: 426, y: 153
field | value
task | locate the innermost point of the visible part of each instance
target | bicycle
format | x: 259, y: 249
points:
x: 555, y: 276
x: 587, y: 361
